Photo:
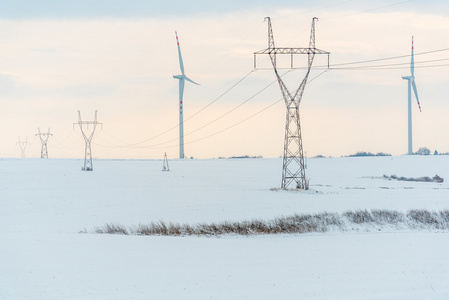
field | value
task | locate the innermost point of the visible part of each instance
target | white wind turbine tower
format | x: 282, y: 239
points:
x: 411, y: 83
x: 182, y: 78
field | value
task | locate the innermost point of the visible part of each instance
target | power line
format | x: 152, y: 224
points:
x: 373, y: 68
x: 364, y: 68
x: 408, y: 63
x: 247, y: 118
x: 220, y: 131
x: 238, y: 123
x: 392, y: 66
x: 211, y: 122
x: 361, y: 68
x: 231, y: 110
x: 202, y: 109
x: 385, y: 58
x: 333, y: 66
x: 233, y: 86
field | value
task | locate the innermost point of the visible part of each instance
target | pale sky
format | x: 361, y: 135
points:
x: 118, y: 57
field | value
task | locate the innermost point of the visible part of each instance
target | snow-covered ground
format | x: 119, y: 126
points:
x: 44, y: 204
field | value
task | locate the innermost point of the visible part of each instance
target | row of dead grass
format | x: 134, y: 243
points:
x: 417, y: 219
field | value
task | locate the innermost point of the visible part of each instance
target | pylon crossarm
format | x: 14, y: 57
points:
x: 290, y: 51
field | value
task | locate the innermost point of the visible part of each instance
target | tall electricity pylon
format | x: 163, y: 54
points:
x: 23, y: 145
x: 44, y: 139
x: 88, y: 139
x: 293, y: 169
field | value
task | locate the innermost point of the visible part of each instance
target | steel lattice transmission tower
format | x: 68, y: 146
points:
x: 88, y: 139
x: 44, y: 139
x: 22, y: 145
x: 293, y: 169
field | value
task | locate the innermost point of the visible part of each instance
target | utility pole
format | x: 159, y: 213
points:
x: 88, y: 140
x: 293, y: 167
x: 44, y: 138
x: 165, y: 166
x: 23, y: 145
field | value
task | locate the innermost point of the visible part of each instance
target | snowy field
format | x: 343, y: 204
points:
x: 45, y: 204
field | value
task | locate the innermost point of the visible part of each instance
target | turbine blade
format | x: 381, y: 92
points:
x: 416, y: 93
x: 179, y: 53
x: 412, y: 63
x: 190, y: 80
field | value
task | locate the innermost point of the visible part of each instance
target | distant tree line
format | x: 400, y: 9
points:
x: 243, y: 156
x: 363, y: 153
x: 426, y: 151
x: 421, y: 151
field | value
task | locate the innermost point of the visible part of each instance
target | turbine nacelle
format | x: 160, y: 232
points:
x: 411, y: 80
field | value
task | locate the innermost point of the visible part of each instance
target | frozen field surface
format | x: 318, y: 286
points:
x: 44, y: 204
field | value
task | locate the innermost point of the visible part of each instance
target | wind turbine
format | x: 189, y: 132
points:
x: 182, y: 78
x: 411, y: 83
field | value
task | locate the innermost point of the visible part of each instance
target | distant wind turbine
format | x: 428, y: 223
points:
x: 411, y: 83
x: 182, y: 78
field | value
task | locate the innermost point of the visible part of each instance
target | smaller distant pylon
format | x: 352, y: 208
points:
x: 23, y: 145
x: 44, y: 139
x: 88, y: 140
x: 165, y: 166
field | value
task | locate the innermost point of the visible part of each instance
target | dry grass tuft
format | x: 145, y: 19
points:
x: 112, y: 229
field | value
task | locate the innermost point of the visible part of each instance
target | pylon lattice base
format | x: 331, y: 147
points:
x: 293, y: 169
